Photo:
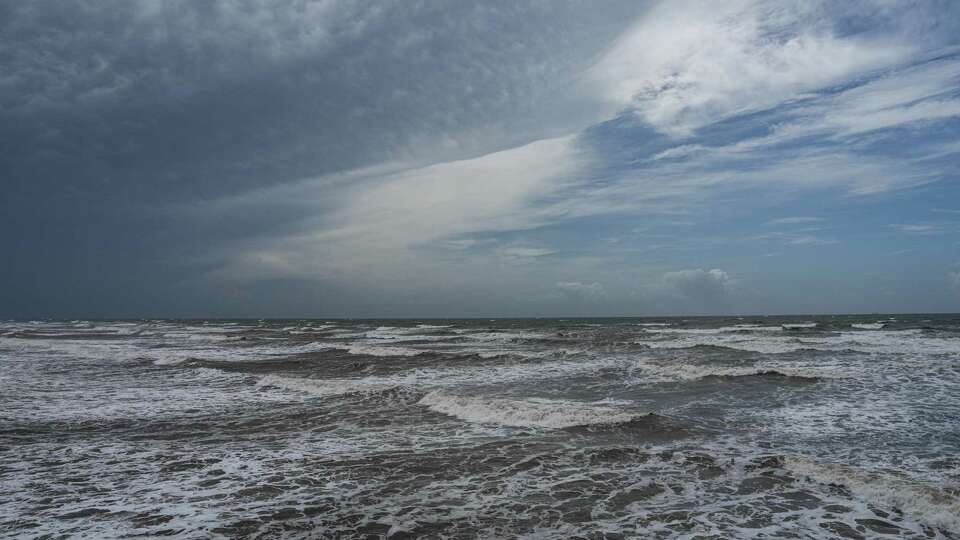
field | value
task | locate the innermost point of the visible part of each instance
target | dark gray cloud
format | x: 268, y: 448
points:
x: 200, y: 98
x: 112, y: 111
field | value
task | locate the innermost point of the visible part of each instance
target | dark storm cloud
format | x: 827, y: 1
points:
x: 205, y: 97
x: 110, y: 110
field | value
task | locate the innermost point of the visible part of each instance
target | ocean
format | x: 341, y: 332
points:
x: 705, y: 427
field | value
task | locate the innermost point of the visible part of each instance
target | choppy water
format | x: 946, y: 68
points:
x: 789, y: 427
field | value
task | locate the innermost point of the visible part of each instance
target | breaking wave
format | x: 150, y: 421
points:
x: 524, y: 413
x: 322, y: 387
x: 692, y: 372
x: 868, y: 326
x: 925, y: 503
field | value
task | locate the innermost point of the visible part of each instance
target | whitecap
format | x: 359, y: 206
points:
x: 868, y: 326
x: 799, y: 326
x: 924, y: 502
x: 378, y: 350
x: 321, y: 387
x: 523, y: 413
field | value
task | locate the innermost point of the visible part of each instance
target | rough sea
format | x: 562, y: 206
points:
x: 752, y: 427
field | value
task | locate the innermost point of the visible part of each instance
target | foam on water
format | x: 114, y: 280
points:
x: 868, y: 326
x: 323, y: 387
x: 505, y: 428
x: 381, y: 350
x: 744, y: 328
x: 523, y: 413
x: 882, y: 341
x: 925, y: 503
x: 691, y: 372
x: 799, y: 326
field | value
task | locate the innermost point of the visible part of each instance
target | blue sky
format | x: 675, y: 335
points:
x: 346, y: 158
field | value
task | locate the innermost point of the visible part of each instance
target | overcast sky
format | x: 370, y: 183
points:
x: 545, y: 158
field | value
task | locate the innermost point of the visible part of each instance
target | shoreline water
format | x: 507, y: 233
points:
x: 811, y: 425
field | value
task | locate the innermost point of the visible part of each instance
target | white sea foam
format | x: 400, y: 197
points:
x: 799, y: 326
x: 921, y: 501
x: 523, y: 413
x: 868, y: 326
x: 380, y: 350
x: 500, y: 337
x: 322, y: 387
x: 227, y: 354
x: 741, y: 328
x: 442, y: 377
x: 689, y: 372
x: 880, y: 341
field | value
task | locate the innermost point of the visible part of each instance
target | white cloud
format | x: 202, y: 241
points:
x: 796, y: 220
x: 523, y: 252
x: 379, y: 220
x: 693, y: 62
x: 698, y: 284
x: 586, y: 291
x: 808, y: 240
x: 915, y: 227
x: 900, y: 98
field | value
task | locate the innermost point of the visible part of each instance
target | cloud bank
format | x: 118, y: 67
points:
x: 352, y: 158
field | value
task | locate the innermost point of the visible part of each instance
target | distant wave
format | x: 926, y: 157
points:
x: 799, y: 326
x: 689, y: 372
x: 256, y: 353
x: 380, y: 350
x: 523, y: 413
x: 322, y: 387
x: 878, y: 341
x: 795, y: 375
x: 741, y: 328
x: 868, y: 326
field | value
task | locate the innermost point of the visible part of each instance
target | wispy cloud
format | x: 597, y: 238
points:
x: 693, y: 63
x: 916, y: 227
x: 379, y: 223
x: 796, y: 220
x: 808, y: 240
x: 587, y: 291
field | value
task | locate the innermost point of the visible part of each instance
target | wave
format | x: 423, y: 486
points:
x: 383, y: 394
x: 692, y: 372
x: 739, y: 328
x: 925, y: 503
x: 795, y: 375
x: 524, y: 413
x: 322, y: 387
x: 652, y: 425
x: 882, y: 341
x: 379, y: 350
x: 173, y: 357
x: 868, y: 326
x: 799, y: 326
x: 733, y: 343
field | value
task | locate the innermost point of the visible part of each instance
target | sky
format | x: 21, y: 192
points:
x: 347, y: 158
